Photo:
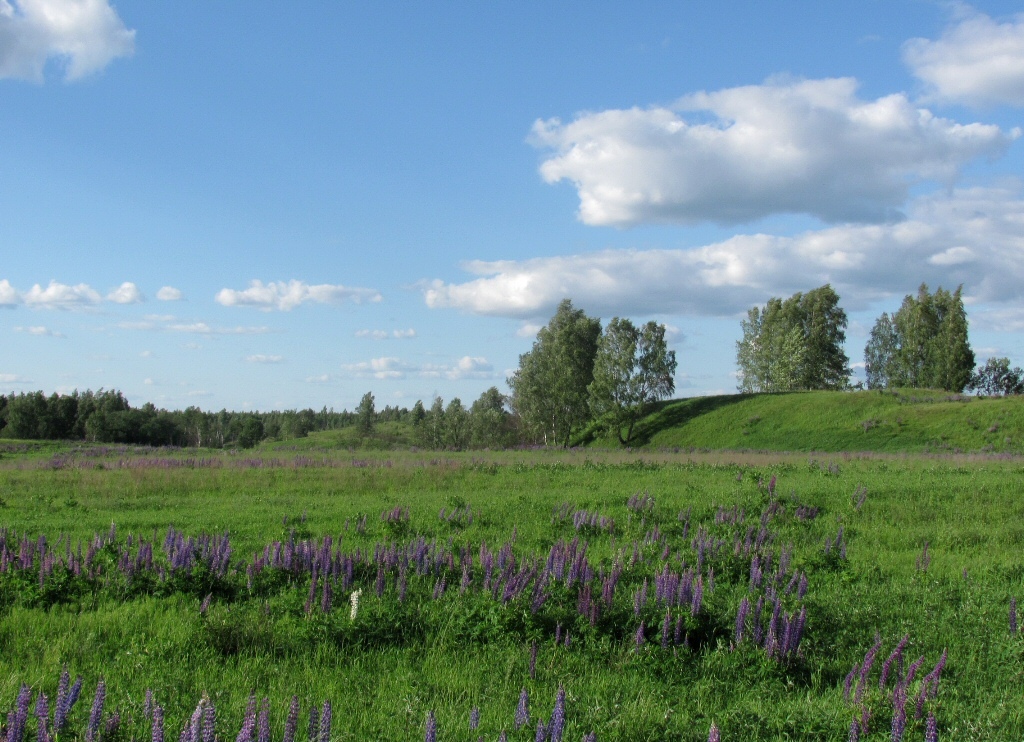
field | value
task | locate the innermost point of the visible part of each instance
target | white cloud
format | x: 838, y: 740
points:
x: 384, y: 334
x: 166, y: 323
x: 528, y: 330
x: 147, y: 381
x: 168, y: 293
x: 287, y: 296
x: 380, y: 368
x: 321, y: 379
x: 40, y: 331
x: 61, y: 296
x: 13, y: 379
x: 9, y: 296
x: 126, y: 293
x: 85, y: 34
x: 261, y: 358
x: 971, y: 236
x: 977, y: 60
x: 146, y: 354
x: 469, y: 367
x: 810, y: 147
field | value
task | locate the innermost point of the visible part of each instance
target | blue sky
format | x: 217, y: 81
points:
x: 289, y: 206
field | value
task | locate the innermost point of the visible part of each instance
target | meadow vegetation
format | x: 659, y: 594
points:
x: 776, y: 596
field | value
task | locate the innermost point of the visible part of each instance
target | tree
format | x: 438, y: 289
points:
x: 633, y: 369
x: 432, y: 429
x: 456, y: 425
x: 549, y: 389
x: 794, y: 344
x: 490, y: 423
x: 923, y: 345
x: 366, y: 416
x: 997, y: 378
x: 251, y: 431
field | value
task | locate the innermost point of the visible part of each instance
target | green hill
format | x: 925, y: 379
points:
x: 910, y: 420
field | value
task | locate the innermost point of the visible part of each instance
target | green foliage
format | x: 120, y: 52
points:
x: 923, y: 345
x: 633, y: 369
x: 997, y: 378
x: 794, y: 344
x: 549, y: 389
x: 366, y: 415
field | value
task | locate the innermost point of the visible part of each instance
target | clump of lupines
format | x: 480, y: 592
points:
x: 837, y: 546
x: 860, y: 495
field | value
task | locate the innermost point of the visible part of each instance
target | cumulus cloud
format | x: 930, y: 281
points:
x: 528, y: 330
x: 404, y: 334
x: 808, y: 147
x: 13, y: 379
x: 168, y: 293
x: 9, y: 296
x: 261, y: 358
x: 380, y: 368
x: 40, y: 331
x: 61, y: 296
x: 126, y: 293
x: 467, y: 367
x: 86, y: 35
x: 971, y: 236
x: 287, y: 296
x: 977, y: 61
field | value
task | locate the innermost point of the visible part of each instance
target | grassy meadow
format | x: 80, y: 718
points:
x: 438, y: 631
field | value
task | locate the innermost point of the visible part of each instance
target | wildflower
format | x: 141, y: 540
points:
x: 158, y: 724
x: 325, y: 722
x: 354, y: 600
x: 431, y: 735
x: 474, y: 717
x: 713, y: 733
x: 292, y: 723
x: 557, y: 724
x: 523, y: 710
x: 92, y: 730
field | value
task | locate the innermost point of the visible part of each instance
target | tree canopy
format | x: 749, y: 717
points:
x: 923, y: 345
x: 549, y: 389
x: 795, y: 343
x: 633, y: 369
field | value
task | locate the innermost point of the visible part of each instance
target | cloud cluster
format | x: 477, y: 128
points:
x: 972, y: 236
x: 976, y: 61
x: 261, y: 358
x: 86, y: 34
x: 58, y: 295
x: 735, y: 155
x: 287, y: 296
x: 467, y: 367
x: 384, y: 334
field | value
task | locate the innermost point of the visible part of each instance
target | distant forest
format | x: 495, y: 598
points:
x: 106, y: 417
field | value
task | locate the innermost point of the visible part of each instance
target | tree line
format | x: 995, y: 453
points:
x: 797, y: 344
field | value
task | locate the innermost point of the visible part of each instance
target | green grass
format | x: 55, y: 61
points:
x: 384, y: 672
x: 916, y: 421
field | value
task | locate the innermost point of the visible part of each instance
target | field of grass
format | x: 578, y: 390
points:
x: 930, y: 549
x: 910, y: 420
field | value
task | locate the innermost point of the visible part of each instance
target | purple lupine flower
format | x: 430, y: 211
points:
x: 639, y: 638
x: 291, y: 726
x: 523, y: 710
x: 503, y: 737
x: 209, y: 722
x: 1013, y: 615
x: 591, y: 737
x: 431, y: 735
x: 474, y: 718
x: 931, y: 729
x: 60, y: 718
x: 899, y: 716
x: 854, y: 731
x: 557, y: 725
x: 713, y: 733
x: 92, y: 730
x: 848, y: 683
x: 263, y: 721
x: 894, y: 657
x: 741, y: 621
x: 43, y: 715
x: 325, y: 722
x: 542, y: 732
x: 205, y: 605
x: 245, y: 734
x: 158, y: 724
x: 666, y: 627
x: 16, y: 719
x: 314, y: 725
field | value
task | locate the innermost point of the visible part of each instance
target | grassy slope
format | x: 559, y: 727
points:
x: 911, y: 421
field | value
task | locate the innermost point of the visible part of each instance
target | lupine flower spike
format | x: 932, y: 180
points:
x: 713, y: 734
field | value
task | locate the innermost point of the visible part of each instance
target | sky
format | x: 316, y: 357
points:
x: 293, y: 205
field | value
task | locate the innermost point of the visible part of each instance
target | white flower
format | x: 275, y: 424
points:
x: 355, y: 604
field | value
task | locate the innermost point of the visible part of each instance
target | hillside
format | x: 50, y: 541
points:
x: 890, y: 421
